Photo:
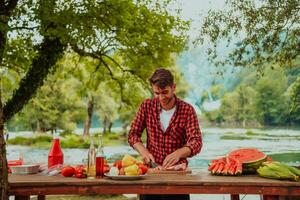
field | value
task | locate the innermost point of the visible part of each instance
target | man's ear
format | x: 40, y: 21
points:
x: 174, y: 86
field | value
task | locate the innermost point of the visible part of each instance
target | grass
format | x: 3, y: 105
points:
x: 234, y: 137
x: 68, y: 140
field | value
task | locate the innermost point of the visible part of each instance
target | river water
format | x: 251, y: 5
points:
x: 281, y: 144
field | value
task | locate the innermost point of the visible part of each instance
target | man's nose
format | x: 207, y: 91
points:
x: 161, y: 96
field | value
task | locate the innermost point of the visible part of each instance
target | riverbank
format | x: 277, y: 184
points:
x: 67, y: 140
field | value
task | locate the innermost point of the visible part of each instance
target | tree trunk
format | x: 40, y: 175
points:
x: 88, y: 121
x: 244, y: 123
x: 3, y: 161
x: 110, y: 126
x: 104, y: 124
x: 124, y: 127
x: 38, y: 126
x: 5, y: 12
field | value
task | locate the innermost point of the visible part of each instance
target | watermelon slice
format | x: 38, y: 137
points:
x: 237, y: 162
x: 251, y: 159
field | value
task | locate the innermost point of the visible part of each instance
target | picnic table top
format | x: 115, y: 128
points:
x: 200, y: 182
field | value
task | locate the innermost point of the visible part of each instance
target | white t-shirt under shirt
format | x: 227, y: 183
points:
x: 165, y: 117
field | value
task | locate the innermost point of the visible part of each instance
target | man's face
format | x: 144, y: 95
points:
x: 165, y: 95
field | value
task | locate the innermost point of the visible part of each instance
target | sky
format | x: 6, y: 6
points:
x: 198, y: 72
x: 196, y: 10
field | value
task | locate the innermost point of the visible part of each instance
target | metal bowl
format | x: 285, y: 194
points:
x: 25, y: 169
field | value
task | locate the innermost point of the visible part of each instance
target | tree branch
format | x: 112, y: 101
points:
x: 10, y: 7
x: 50, y: 51
x: 23, y: 27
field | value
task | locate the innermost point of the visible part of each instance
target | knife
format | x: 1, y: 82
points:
x: 153, y: 164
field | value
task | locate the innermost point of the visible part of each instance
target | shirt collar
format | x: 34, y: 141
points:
x: 159, y: 108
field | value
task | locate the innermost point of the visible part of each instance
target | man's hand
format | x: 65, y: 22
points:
x: 174, y: 157
x: 171, y: 159
x: 145, y: 154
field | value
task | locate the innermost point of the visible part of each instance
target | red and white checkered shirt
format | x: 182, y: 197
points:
x: 183, y: 129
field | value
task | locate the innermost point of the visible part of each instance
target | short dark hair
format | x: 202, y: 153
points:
x: 162, y: 78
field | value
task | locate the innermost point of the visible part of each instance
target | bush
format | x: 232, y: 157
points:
x: 65, y: 133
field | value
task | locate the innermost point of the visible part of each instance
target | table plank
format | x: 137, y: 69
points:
x: 200, y: 183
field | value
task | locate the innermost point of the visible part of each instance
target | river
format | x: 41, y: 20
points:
x: 280, y: 144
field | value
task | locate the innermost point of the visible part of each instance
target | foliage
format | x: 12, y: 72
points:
x: 68, y: 140
x: 267, y: 31
x: 55, y: 106
x: 30, y: 141
x: 270, y: 100
x: 294, y: 92
x: 119, y: 43
x: 214, y: 93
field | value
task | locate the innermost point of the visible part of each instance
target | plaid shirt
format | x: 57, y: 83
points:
x: 183, y: 129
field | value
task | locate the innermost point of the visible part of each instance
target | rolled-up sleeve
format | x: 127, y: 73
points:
x: 193, y: 133
x: 137, y: 125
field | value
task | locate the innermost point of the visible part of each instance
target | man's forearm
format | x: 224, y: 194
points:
x: 184, y: 152
x: 140, y: 147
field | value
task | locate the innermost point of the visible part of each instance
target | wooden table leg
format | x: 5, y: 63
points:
x: 41, y: 197
x: 22, y: 197
x: 234, y: 197
x: 270, y: 197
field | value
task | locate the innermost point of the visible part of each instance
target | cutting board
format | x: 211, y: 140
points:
x: 152, y: 171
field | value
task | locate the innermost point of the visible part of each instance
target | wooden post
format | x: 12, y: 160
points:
x: 234, y: 196
x: 22, y: 197
x: 41, y: 197
x: 270, y: 197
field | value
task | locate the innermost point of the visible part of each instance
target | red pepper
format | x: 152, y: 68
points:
x: 80, y: 172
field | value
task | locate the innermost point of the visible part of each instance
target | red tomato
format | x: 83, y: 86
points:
x: 106, y: 168
x: 118, y: 164
x: 121, y: 171
x: 67, y: 171
x: 80, y: 172
x: 143, y: 168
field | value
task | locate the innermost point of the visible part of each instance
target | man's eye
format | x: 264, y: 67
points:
x: 156, y: 93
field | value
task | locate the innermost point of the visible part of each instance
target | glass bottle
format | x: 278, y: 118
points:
x: 55, y: 155
x: 91, y: 170
x: 100, y: 159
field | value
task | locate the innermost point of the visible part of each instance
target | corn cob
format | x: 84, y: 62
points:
x: 278, y: 170
x: 294, y: 170
x: 267, y: 173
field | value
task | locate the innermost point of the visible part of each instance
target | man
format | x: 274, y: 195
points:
x: 173, y: 132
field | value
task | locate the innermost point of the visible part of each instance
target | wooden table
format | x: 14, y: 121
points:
x: 22, y: 186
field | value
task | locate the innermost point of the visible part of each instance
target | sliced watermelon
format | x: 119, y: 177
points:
x: 251, y: 159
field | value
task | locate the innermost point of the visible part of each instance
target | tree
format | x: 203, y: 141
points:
x: 239, y: 106
x: 261, y: 33
x: 270, y: 99
x: 294, y: 94
x: 56, y: 105
x: 98, y: 29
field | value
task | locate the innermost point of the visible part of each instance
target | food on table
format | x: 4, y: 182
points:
x: 68, y: 171
x: 114, y: 171
x: 118, y: 164
x: 132, y: 170
x: 80, y: 171
x: 277, y: 170
x: 239, y: 161
x: 128, y: 166
x: 179, y: 167
x: 128, y: 160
